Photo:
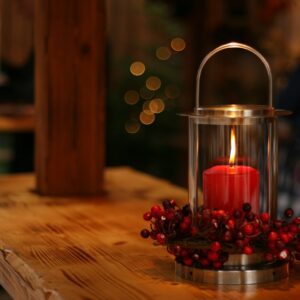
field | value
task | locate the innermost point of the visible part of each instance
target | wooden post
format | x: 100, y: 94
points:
x: 70, y: 92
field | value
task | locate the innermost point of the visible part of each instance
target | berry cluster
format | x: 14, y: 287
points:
x: 207, y: 240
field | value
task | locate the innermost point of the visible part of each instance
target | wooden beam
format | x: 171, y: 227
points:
x: 70, y: 93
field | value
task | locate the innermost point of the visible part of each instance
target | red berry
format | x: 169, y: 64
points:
x: 265, y: 227
x: 289, y: 212
x: 230, y: 224
x: 217, y: 265
x: 145, y: 233
x: 293, y: 228
x: 194, y: 230
x: 196, y: 256
x: 169, y: 215
x: 268, y: 257
x: 188, y: 261
x: 187, y: 220
x: 166, y: 204
x: 184, y: 227
x: 153, y: 235
x: 220, y: 213
x: 248, y: 229
x: 256, y: 231
x: 291, y: 236
x: 239, y: 243
x: 248, y: 250
x: 278, y: 224
x: 265, y: 217
x: 227, y: 236
x: 175, y: 250
x: 214, y: 223
x: 284, y: 237
x: 155, y: 210
x: 147, y: 216
x: 239, y: 235
x: 161, y: 238
x: 273, y: 236
x: 296, y: 220
x: 215, y: 246
x: 212, y: 256
x: 285, y: 228
x: 184, y: 252
x: 204, y: 262
x: 284, y: 254
x: 173, y: 202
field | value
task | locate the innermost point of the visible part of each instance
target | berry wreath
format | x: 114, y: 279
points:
x: 213, y: 235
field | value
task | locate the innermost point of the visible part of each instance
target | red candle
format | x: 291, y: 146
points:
x: 227, y: 187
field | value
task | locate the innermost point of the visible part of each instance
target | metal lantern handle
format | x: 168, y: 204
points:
x: 230, y: 46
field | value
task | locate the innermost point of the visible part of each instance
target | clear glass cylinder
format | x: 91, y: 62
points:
x: 233, y: 158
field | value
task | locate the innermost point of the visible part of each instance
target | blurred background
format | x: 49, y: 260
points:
x: 154, y: 48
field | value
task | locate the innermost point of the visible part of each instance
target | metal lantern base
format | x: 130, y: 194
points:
x: 249, y: 272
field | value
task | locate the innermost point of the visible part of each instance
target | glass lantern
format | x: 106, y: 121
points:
x: 232, y: 161
x: 233, y: 151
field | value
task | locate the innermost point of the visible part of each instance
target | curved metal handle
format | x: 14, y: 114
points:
x: 230, y: 46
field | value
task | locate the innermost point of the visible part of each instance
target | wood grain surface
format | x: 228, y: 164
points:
x: 89, y: 248
x: 70, y: 92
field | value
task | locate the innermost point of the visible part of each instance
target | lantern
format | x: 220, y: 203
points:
x: 233, y: 161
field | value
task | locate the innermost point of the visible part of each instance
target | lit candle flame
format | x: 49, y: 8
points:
x: 232, y: 147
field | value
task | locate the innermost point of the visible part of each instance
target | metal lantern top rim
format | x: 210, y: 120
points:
x: 233, y: 111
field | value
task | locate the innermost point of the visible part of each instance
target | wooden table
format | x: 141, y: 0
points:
x: 71, y: 248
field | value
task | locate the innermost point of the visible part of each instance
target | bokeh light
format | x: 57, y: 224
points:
x: 178, y: 44
x: 146, y: 108
x: 156, y: 105
x: 146, y: 93
x: 147, y: 118
x: 137, y: 68
x: 163, y: 53
x: 153, y: 83
x: 131, y: 97
x: 172, y: 91
x: 132, y: 126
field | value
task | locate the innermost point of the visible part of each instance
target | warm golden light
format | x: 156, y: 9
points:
x: 157, y: 105
x: 137, y: 68
x: 178, y: 44
x: 153, y: 83
x: 131, y: 97
x: 132, y: 126
x: 147, y: 118
x: 232, y: 147
x: 146, y: 108
x: 163, y: 53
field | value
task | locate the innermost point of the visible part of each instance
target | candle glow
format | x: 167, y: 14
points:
x: 228, y: 186
x: 232, y: 147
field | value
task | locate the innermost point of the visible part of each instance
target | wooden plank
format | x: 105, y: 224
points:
x: 89, y: 248
x: 70, y: 92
